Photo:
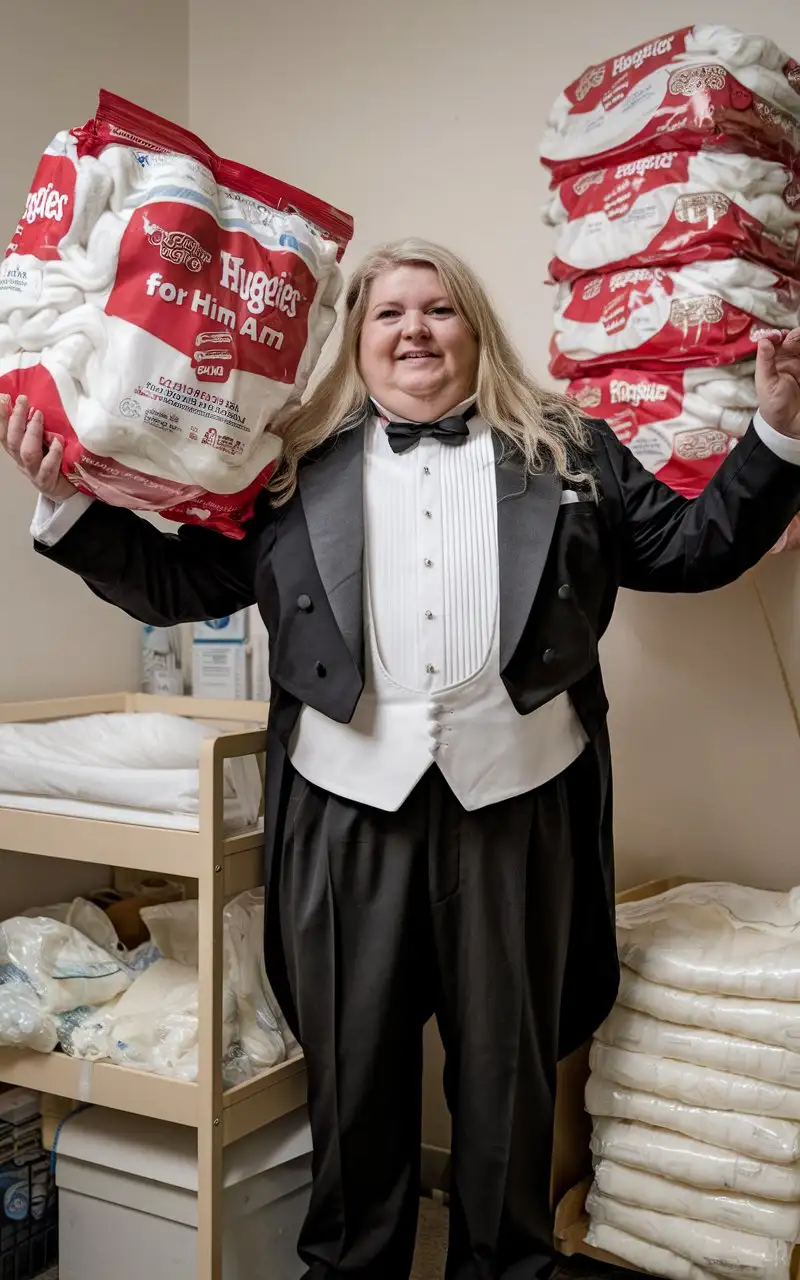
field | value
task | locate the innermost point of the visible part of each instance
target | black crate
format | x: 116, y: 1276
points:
x: 28, y: 1219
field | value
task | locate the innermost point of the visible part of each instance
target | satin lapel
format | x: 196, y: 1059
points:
x: 332, y: 493
x: 527, y: 506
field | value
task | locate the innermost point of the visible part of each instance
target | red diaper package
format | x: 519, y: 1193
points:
x: 680, y: 425
x: 701, y: 87
x: 164, y: 307
x: 676, y: 207
x: 653, y: 318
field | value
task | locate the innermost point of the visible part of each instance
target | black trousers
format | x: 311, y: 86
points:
x: 386, y: 919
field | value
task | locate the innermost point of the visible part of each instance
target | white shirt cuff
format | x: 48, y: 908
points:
x: 52, y: 520
x: 787, y: 448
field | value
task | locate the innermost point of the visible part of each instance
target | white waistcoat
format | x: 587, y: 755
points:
x: 432, y: 687
x: 472, y: 731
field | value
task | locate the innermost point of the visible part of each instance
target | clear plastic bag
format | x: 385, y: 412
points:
x: 644, y: 1256
x: 63, y: 966
x: 750, y: 1214
x: 721, y: 1250
x: 761, y: 1137
x: 671, y: 1155
x: 23, y: 1022
x: 767, y: 1021
x: 717, y: 938
x: 626, y: 1029
x: 700, y: 1086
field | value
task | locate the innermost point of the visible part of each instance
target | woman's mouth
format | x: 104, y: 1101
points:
x: 418, y: 355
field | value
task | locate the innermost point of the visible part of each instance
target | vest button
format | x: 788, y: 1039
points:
x: 565, y: 591
x: 321, y: 670
x: 548, y: 656
x: 304, y: 603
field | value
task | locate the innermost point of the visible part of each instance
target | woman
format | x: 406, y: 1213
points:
x: 438, y: 783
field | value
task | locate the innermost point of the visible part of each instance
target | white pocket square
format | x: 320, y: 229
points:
x: 567, y: 496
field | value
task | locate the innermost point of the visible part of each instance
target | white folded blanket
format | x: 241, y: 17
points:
x: 147, y: 761
x: 698, y: 1164
x: 748, y: 1213
x: 762, y: 1137
x: 644, y: 1256
x: 716, y: 938
x: 723, y: 1250
x: 700, y: 1086
x: 775, y: 1022
x: 626, y: 1029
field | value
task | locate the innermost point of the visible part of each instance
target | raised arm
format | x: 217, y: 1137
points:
x: 669, y: 543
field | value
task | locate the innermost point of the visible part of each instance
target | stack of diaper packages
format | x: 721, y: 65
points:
x: 164, y: 307
x: 675, y: 202
x: 694, y: 1090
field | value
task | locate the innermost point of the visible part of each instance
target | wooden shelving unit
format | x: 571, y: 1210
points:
x: 221, y: 866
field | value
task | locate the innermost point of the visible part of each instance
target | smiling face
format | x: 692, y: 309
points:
x: 417, y: 357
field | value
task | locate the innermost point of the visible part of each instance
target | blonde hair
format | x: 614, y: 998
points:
x: 547, y: 428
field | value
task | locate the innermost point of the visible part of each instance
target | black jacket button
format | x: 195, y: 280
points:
x: 565, y: 591
x: 321, y: 670
x: 304, y: 603
x: 548, y: 656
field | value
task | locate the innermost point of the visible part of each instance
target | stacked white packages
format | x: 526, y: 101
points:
x: 163, y: 306
x: 694, y: 1089
x: 675, y: 201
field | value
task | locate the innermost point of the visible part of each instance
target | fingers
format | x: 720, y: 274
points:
x: 5, y: 414
x: 790, y: 342
x: 17, y: 424
x: 23, y: 437
x: 49, y: 472
x: 31, y: 449
x: 766, y: 364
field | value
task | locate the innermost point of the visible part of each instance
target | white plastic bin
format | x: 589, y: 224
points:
x: 128, y: 1205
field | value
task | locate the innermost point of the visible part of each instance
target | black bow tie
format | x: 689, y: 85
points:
x: 403, y: 436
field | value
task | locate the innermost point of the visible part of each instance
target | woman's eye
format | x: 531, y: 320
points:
x: 387, y: 314
x: 442, y: 311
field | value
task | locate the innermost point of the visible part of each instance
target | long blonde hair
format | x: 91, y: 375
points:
x: 546, y: 427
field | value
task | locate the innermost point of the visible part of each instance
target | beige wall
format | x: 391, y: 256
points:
x: 56, y: 637
x: 424, y: 118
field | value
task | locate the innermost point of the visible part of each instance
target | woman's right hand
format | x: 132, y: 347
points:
x: 22, y: 438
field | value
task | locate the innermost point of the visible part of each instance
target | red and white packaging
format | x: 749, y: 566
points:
x: 707, y: 86
x: 709, y: 313
x: 680, y: 425
x: 207, y: 293
x: 676, y: 207
x: 68, y: 194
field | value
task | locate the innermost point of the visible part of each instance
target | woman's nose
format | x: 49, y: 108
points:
x: 415, y: 324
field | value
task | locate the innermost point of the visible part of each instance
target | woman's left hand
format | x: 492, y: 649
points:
x: 778, y: 383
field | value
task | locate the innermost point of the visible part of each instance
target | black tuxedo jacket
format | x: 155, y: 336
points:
x: 561, y: 566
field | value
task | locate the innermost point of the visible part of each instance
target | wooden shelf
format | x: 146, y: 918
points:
x: 247, y: 1107
x: 221, y: 866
